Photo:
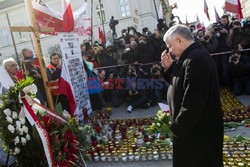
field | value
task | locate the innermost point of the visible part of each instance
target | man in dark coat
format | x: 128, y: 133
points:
x: 194, y: 101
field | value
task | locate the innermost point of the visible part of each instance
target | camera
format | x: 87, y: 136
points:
x: 153, y: 70
x: 145, y: 29
x: 217, y: 26
x: 206, y: 37
x: 234, y: 58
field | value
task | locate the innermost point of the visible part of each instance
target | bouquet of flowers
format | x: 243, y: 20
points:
x: 160, y: 125
x: 67, y: 141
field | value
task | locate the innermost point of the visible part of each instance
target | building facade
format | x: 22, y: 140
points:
x: 138, y: 13
x: 245, y: 4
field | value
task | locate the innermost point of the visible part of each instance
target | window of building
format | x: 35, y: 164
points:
x: 4, y: 37
x: 124, y: 6
x: 101, y: 13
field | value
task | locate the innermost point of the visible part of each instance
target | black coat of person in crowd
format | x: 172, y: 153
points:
x: 194, y: 100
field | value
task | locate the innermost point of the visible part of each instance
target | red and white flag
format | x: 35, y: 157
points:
x: 47, y: 17
x: 217, y: 17
x: 203, y: 27
x: 206, y: 10
x: 101, y: 35
x: 65, y: 89
x: 234, y: 6
x: 68, y: 18
x: 66, y: 21
x: 197, y: 23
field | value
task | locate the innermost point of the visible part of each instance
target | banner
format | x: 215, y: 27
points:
x: 73, y: 72
x: 82, y: 21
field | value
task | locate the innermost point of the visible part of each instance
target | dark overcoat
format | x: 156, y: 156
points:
x: 194, y: 100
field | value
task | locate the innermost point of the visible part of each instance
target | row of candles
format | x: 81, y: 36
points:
x: 233, y: 109
x: 236, y: 154
x: 143, y: 154
x: 124, y: 140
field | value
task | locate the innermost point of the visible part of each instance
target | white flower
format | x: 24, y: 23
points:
x: 22, y: 120
x: 37, y: 100
x: 18, y: 125
x: 27, y: 137
x: 14, y: 115
x: 16, y: 151
x: 30, y: 89
x: 7, y: 112
x: 20, y: 131
x: 66, y: 114
x: 11, y: 128
x: 23, y: 140
x: 9, y: 119
x: 16, y: 140
x: 25, y: 129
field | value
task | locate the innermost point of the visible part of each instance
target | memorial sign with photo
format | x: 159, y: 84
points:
x: 72, y: 60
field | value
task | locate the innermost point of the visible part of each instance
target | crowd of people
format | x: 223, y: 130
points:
x: 136, y: 57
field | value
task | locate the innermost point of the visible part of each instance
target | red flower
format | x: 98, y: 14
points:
x: 69, y: 136
x: 46, y: 119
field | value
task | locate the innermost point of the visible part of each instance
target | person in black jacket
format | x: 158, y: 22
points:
x: 239, y: 67
x: 194, y: 100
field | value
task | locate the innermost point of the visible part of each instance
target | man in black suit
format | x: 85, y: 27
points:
x: 194, y: 101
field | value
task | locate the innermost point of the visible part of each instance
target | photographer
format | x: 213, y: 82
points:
x: 158, y: 45
x: 210, y: 42
x: 131, y: 54
x: 199, y: 35
x: 146, y: 50
x: 33, y: 71
x: 160, y: 86
x: 235, y: 36
x: 138, y: 95
x: 239, y: 67
x: 223, y: 31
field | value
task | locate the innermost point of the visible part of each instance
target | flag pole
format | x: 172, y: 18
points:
x: 91, y: 22
x: 37, y: 44
x: 157, y: 15
x: 102, y: 21
x: 13, y: 40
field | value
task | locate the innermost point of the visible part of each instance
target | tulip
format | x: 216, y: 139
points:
x: 11, y: 128
x: 7, y: 112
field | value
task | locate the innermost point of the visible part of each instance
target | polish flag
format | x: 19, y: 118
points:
x: 217, y: 17
x: 234, y: 6
x: 47, y: 17
x: 68, y: 18
x: 197, y: 23
x: 203, y: 27
x: 206, y: 9
x: 65, y: 89
x: 101, y: 35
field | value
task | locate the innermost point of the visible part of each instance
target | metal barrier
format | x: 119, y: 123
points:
x: 124, y: 65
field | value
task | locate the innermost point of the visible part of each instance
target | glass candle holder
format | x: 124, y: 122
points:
x: 130, y: 156
x: 137, y: 156
x: 124, y: 157
x: 96, y: 157
x: 103, y: 157
x: 150, y: 155
x: 155, y: 155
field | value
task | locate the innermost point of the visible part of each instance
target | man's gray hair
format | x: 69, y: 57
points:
x: 180, y: 30
x: 7, y: 61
